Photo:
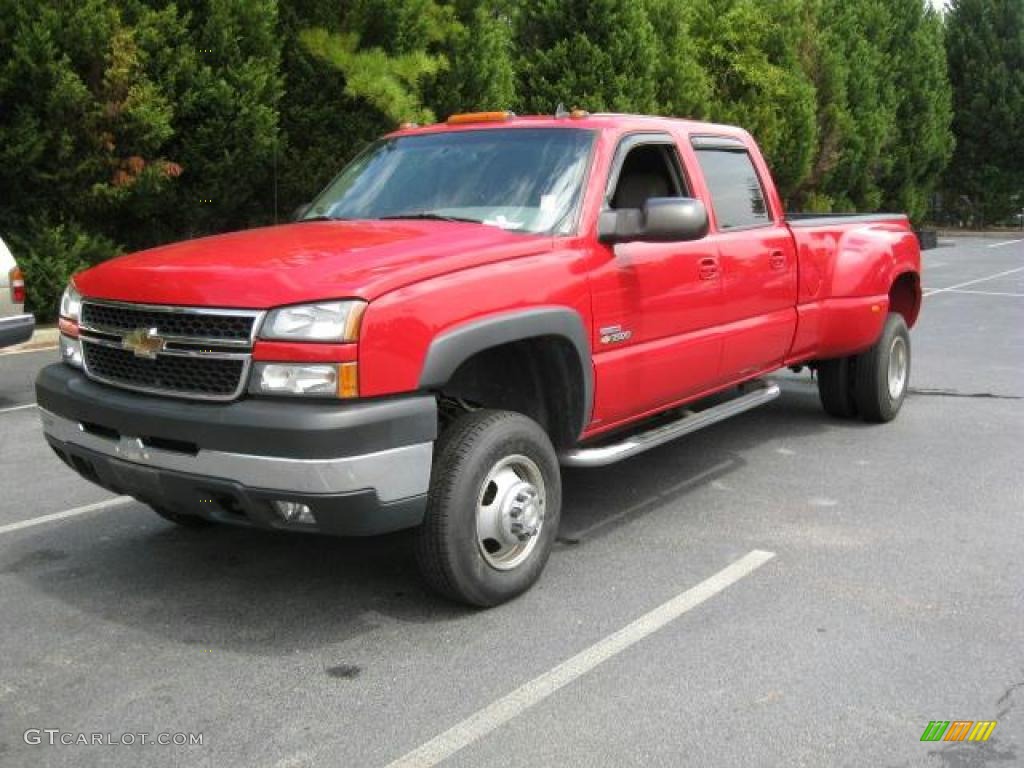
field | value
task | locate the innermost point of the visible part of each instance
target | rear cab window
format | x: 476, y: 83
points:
x: 737, y: 194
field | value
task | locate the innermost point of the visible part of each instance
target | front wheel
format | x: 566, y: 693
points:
x: 493, y: 510
x: 881, y: 376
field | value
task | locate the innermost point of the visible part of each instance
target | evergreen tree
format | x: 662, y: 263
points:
x: 922, y: 141
x: 226, y: 122
x: 322, y: 126
x: 481, y: 71
x: 985, y: 48
x: 85, y: 133
x: 752, y: 53
x: 594, y: 54
x: 683, y: 86
x: 856, y: 105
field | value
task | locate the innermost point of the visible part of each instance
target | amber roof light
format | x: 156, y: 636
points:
x: 480, y: 117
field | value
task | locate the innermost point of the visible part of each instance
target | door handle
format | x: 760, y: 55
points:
x: 777, y: 260
x: 708, y: 269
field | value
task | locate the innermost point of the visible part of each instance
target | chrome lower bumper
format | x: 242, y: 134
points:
x: 394, y: 474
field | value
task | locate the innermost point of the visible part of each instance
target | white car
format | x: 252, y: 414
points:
x: 15, y: 325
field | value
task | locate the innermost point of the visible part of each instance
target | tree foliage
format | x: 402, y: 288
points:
x: 985, y: 44
x: 596, y: 54
x: 127, y: 123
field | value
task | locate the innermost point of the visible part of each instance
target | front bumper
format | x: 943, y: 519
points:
x: 16, y: 329
x: 362, y: 468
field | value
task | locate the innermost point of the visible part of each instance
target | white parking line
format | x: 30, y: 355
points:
x: 481, y: 723
x: 116, y: 501
x: 989, y: 293
x: 1007, y: 242
x: 972, y: 282
x: 17, y: 408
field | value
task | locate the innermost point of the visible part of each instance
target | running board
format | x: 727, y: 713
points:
x: 761, y: 393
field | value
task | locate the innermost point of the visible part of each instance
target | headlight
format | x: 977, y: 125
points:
x: 71, y: 303
x: 330, y: 321
x: 305, y: 379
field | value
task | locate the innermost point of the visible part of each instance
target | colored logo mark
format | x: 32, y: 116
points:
x: 958, y: 730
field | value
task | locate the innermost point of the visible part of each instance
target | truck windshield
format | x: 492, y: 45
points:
x: 521, y: 179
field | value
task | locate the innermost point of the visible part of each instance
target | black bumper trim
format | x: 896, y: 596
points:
x: 17, y: 329
x: 267, y: 427
x: 359, y: 513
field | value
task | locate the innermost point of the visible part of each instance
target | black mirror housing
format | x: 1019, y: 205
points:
x: 662, y: 220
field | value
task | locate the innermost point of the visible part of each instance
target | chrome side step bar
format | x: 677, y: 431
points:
x: 760, y: 392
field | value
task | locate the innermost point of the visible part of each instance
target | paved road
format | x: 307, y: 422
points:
x: 894, y: 597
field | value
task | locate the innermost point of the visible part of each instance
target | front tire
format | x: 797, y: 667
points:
x: 882, y: 374
x: 493, y: 510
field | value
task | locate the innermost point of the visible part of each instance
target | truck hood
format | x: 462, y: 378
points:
x: 302, y: 262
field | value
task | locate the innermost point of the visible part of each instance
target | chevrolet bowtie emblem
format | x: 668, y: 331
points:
x: 144, y: 342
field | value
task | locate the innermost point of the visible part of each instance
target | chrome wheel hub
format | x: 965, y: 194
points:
x: 898, y: 366
x: 510, y: 512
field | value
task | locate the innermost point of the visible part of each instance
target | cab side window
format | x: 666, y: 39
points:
x: 736, y: 191
x: 649, y: 170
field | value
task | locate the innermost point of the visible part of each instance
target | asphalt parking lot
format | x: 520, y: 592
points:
x: 894, y: 596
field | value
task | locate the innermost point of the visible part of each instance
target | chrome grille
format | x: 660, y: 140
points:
x: 198, y: 353
x: 219, y: 325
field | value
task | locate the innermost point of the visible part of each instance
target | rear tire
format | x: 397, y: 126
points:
x: 493, y: 510
x: 835, y: 388
x: 185, y: 521
x: 882, y: 374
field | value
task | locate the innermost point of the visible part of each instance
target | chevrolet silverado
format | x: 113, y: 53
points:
x: 465, y: 308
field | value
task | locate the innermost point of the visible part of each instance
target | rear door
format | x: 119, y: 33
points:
x: 757, y: 255
x: 655, y: 305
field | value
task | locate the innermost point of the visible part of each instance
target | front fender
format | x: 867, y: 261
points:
x: 455, y: 346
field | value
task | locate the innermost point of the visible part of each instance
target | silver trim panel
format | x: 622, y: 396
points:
x: 395, y: 474
x: 190, y: 340
x: 600, y: 456
x: 170, y: 352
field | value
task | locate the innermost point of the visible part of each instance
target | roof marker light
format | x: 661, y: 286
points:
x: 480, y: 117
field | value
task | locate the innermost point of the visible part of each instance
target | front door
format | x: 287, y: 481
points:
x: 655, y: 304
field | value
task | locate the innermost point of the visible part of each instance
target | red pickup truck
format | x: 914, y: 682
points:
x: 464, y: 308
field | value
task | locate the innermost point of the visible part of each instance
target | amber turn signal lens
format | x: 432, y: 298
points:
x: 480, y: 117
x: 68, y: 327
x: 348, y: 380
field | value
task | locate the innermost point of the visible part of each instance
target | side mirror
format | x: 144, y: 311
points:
x: 662, y: 220
x: 301, y: 211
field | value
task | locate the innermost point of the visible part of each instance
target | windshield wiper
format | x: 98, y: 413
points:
x: 428, y: 216
x: 321, y: 218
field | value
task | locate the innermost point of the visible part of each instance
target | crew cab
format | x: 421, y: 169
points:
x: 466, y: 307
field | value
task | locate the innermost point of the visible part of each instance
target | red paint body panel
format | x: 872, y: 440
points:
x: 776, y: 294
x: 303, y: 352
x: 303, y: 262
